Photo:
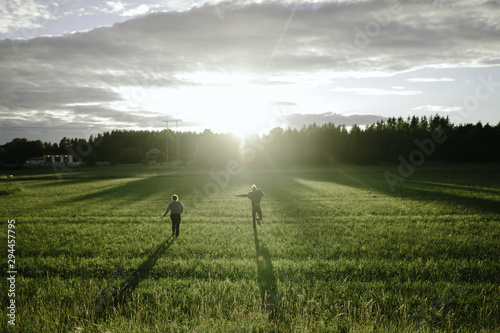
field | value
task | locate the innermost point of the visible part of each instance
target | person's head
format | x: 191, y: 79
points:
x: 254, y: 187
x: 175, y: 197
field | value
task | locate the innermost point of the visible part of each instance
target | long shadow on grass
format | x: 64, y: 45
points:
x: 425, y: 192
x: 444, y: 186
x: 419, y: 187
x: 130, y: 190
x: 265, y: 277
x: 115, y: 295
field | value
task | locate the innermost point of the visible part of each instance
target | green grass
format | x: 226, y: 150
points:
x: 8, y: 189
x: 337, y: 251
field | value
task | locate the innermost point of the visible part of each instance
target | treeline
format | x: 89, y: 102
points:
x: 436, y: 137
x: 433, y: 138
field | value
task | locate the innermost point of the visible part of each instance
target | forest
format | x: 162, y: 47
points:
x: 432, y: 138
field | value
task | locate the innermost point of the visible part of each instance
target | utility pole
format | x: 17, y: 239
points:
x: 176, y: 136
x: 177, y: 139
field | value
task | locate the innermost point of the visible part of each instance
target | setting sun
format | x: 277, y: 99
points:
x: 229, y: 103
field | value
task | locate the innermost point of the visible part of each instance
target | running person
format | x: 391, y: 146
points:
x: 255, y: 196
x: 176, y: 208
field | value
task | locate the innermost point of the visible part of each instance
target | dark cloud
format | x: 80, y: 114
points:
x: 51, y: 97
x: 253, y: 34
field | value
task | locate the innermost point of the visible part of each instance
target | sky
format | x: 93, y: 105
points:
x: 75, y: 68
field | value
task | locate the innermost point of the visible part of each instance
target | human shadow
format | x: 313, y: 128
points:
x: 115, y: 295
x: 265, y: 277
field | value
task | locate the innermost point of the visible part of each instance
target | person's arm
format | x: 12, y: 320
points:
x: 168, y: 209
x: 182, y: 207
x: 245, y: 195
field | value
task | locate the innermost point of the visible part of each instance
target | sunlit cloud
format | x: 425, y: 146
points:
x: 115, y: 6
x: 430, y: 79
x: 141, y: 9
x: 437, y: 108
x: 25, y: 16
x: 377, y: 92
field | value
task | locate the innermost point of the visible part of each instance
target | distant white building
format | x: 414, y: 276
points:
x: 51, y: 159
x: 58, y: 159
x: 36, y: 160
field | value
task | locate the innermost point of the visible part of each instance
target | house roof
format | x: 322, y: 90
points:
x: 154, y: 151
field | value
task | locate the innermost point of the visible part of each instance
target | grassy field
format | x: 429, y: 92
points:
x: 337, y: 250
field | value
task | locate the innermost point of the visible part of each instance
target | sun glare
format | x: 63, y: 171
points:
x: 224, y: 103
x: 237, y: 104
x: 248, y: 111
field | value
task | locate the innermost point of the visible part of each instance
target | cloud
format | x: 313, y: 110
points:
x: 280, y: 43
x: 25, y: 16
x: 115, y: 6
x: 437, y: 108
x: 284, y: 103
x: 311, y: 41
x: 417, y: 34
x: 49, y: 97
x: 377, y: 92
x: 129, y: 10
x: 430, y: 79
x: 141, y: 9
x: 298, y: 120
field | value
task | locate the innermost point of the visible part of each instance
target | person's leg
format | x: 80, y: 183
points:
x: 259, y: 212
x: 178, y: 226
x: 253, y: 216
x: 173, y: 224
x: 176, y: 221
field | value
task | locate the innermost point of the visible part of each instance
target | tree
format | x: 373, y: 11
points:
x: 132, y: 155
x: 20, y: 149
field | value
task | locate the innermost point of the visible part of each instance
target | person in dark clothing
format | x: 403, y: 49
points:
x: 255, y: 197
x: 176, y: 208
